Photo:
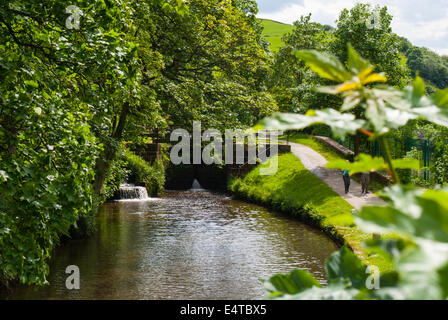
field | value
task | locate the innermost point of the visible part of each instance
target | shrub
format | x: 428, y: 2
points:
x: 118, y: 173
x: 45, y: 189
x: 141, y: 172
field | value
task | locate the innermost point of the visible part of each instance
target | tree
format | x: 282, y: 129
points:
x: 369, y: 31
x: 290, y: 81
x: 214, y: 66
x: 59, y: 87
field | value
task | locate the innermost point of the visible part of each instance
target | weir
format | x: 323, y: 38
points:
x: 132, y: 192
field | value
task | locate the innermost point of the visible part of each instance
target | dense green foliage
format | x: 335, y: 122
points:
x: 54, y: 96
x: 309, y: 141
x: 214, y: 66
x: 420, y: 261
x: 438, y: 136
x: 70, y: 96
x: 420, y: 217
x: 296, y: 191
x: 428, y: 64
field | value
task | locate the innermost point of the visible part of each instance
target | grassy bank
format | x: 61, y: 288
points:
x: 296, y: 191
x: 316, y: 145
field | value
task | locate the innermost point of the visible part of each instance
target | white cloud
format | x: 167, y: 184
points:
x: 423, y: 23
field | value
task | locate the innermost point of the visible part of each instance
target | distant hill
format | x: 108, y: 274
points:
x: 432, y: 67
x: 428, y: 64
x: 274, y: 31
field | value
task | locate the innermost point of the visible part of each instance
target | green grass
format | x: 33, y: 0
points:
x: 296, y: 191
x: 274, y: 31
x: 307, y: 140
x: 153, y: 176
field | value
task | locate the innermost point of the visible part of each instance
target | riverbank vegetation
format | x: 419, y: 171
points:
x: 131, y: 168
x: 71, y: 95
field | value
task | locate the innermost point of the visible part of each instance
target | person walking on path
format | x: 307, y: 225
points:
x: 346, y: 177
x: 365, y: 180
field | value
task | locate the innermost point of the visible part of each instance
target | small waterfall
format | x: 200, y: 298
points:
x: 131, y: 192
x: 196, y: 185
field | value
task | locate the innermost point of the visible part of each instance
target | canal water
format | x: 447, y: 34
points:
x: 186, y: 245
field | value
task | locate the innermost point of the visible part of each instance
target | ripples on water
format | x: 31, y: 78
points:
x: 187, y: 245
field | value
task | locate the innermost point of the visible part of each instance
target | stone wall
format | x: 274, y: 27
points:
x: 349, y: 155
x: 343, y: 151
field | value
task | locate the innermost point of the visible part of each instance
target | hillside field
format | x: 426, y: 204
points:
x: 274, y: 31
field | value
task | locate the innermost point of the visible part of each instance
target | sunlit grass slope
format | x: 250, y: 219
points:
x: 274, y: 31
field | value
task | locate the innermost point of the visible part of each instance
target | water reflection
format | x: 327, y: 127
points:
x: 187, y: 245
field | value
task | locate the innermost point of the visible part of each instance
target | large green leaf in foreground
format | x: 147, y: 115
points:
x: 418, y: 218
x: 325, y: 65
x: 346, y: 278
x: 341, y: 123
x: 412, y: 103
x: 421, y: 216
x: 367, y: 163
x: 294, y: 282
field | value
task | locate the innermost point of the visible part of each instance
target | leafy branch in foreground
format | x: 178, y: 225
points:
x: 385, y: 108
x: 419, y: 217
x: 367, y: 163
x: 341, y: 123
x: 345, y: 274
x: 420, y: 256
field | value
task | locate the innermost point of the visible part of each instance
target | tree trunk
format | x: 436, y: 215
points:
x: 357, y: 142
x: 102, y: 167
x: 103, y: 163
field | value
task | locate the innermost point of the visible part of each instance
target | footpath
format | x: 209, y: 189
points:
x: 316, y: 164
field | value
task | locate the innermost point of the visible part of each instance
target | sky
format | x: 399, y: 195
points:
x: 423, y: 22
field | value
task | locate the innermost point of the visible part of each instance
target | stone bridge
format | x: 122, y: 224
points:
x: 213, y: 177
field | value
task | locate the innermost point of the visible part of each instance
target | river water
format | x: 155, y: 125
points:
x: 186, y: 245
